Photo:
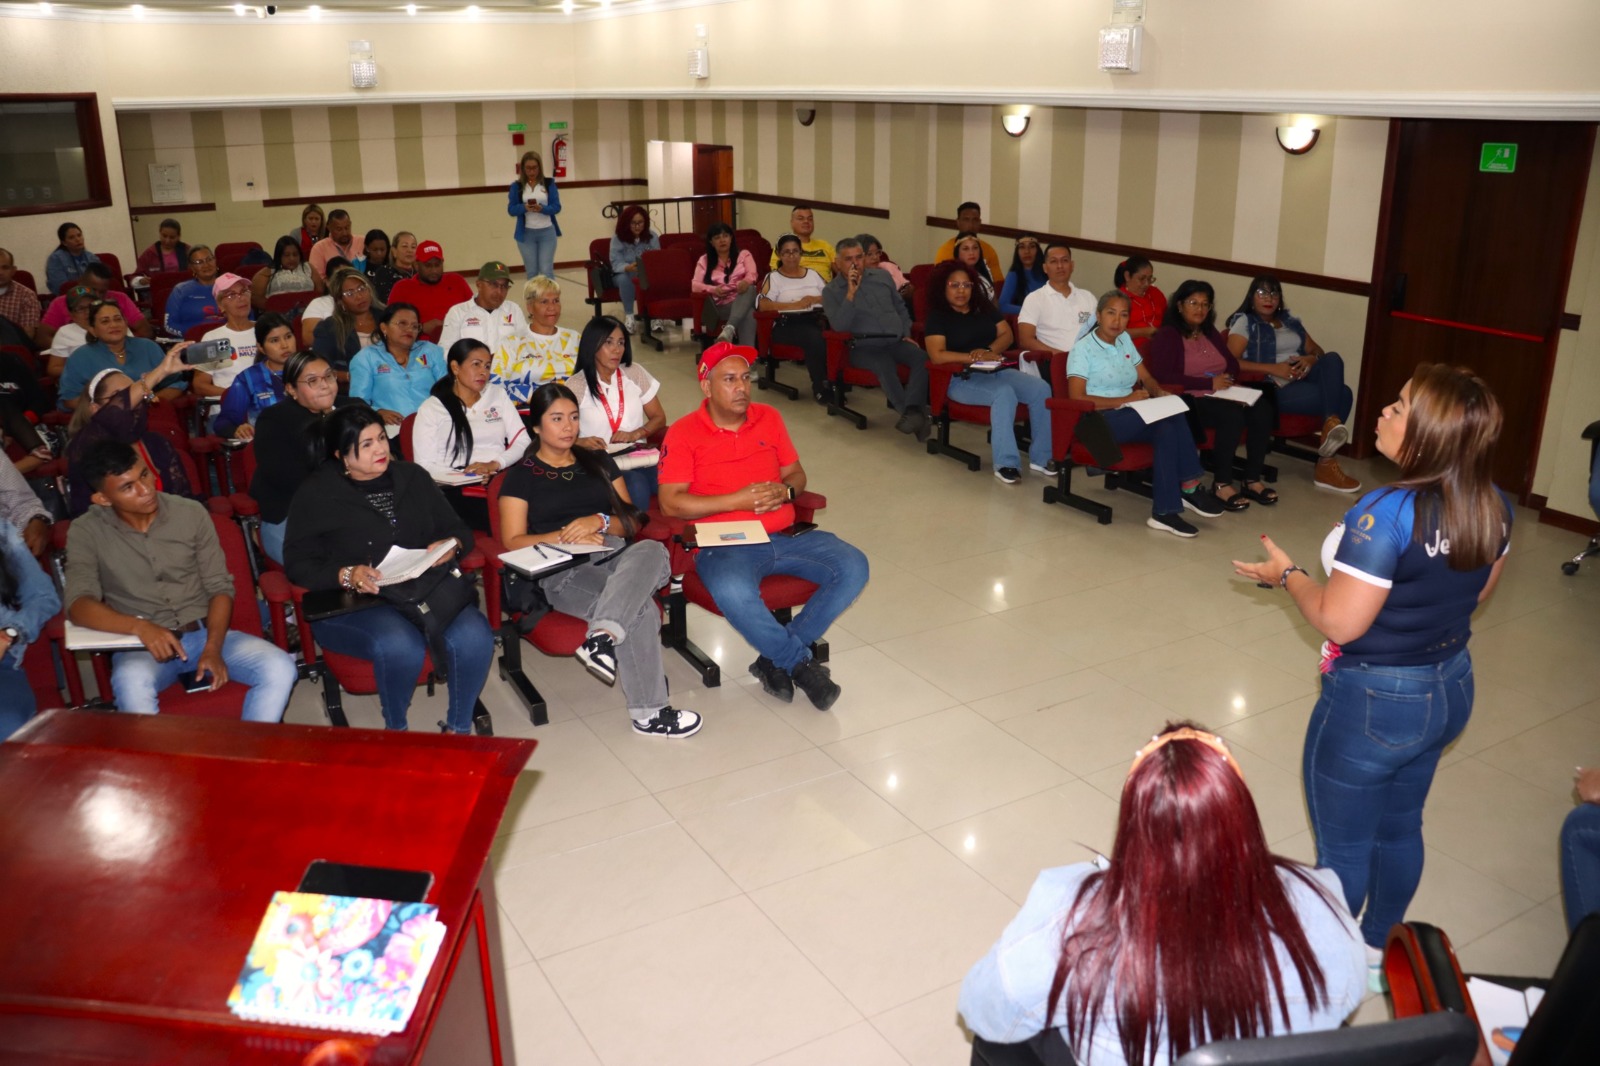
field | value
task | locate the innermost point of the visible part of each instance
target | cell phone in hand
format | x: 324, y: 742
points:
x: 200, y: 353
x: 194, y: 681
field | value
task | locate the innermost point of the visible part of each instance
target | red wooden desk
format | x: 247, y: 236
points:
x: 138, y: 854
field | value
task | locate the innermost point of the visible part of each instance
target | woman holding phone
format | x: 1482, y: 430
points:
x: 535, y: 202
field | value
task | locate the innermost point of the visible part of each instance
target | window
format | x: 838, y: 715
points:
x: 52, y: 158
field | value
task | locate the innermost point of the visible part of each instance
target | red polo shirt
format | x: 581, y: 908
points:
x: 432, y: 302
x: 713, y: 461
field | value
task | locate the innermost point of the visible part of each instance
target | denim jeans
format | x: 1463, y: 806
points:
x: 1175, y: 462
x: 625, y: 290
x: 1322, y: 392
x: 1580, y: 863
x: 618, y: 595
x: 137, y: 679
x: 16, y: 699
x: 1000, y: 392
x: 641, y: 483
x: 272, y: 534
x: 395, y: 647
x: 538, y: 248
x: 733, y: 577
x: 1372, y: 746
x: 1594, y: 484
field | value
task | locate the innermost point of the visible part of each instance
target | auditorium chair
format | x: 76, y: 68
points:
x: 1591, y: 433
x: 668, y: 297
x: 692, y: 243
x: 844, y: 377
x: 760, y: 249
x: 112, y: 263
x: 599, y: 256
x: 1121, y: 470
x: 291, y: 304
x: 231, y: 253
x: 918, y: 276
x: 161, y: 285
x: 942, y: 410
x: 769, y: 355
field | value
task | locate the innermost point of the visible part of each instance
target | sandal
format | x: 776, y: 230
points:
x: 1236, y: 502
x: 1264, y: 496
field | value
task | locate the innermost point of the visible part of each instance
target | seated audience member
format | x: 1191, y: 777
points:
x: 815, y: 252
x: 963, y: 328
x: 863, y: 303
x: 168, y: 254
x: 1246, y: 944
x: 1580, y: 850
x: 112, y: 348
x: 19, y: 304
x: 75, y: 334
x: 633, y: 238
x: 312, y: 229
x: 259, y: 385
x: 70, y: 258
x: 23, y: 402
x: 969, y: 253
x: 374, y: 263
x: 1057, y: 313
x: 403, y: 256
x: 354, y: 322
x: 288, y: 441
x: 27, y: 601
x: 321, y: 307
x: 732, y: 460
x: 1267, y: 339
x: 346, y: 516
x: 397, y: 371
x: 795, y: 291
x: 562, y: 494
x: 21, y: 510
x: 97, y: 279
x: 877, y: 257
x: 1135, y: 278
x: 233, y: 300
x: 488, y: 317
x: 431, y: 291
x: 192, y: 302
x: 726, y: 278
x: 546, y: 352
x: 288, y: 272
x: 467, y: 425
x: 969, y: 223
x: 148, y: 563
x: 115, y: 406
x: 1104, y: 369
x: 340, y: 241
x: 1188, y: 351
x: 1026, y: 274
x: 617, y: 401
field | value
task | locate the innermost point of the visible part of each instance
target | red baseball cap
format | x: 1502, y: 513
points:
x: 428, y: 251
x: 724, y: 350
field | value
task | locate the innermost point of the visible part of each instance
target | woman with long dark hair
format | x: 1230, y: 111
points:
x: 563, y: 494
x: 1406, y: 569
x: 726, y: 278
x: 1025, y: 275
x: 534, y: 201
x: 969, y: 253
x: 1192, y: 931
x: 259, y: 385
x: 168, y: 254
x: 353, y: 325
x: 467, y: 426
x: 288, y: 272
x: 374, y: 263
x: 617, y: 401
x: 1135, y: 278
x: 633, y: 238
x: 288, y: 441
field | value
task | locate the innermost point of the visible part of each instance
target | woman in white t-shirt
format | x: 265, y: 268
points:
x: 795, y: 292
x: 75, y: 334
x: 617, y: 402
x: 467, y: 426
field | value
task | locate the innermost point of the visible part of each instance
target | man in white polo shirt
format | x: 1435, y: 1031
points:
x: 1056, y: 314
x: 488, y: 317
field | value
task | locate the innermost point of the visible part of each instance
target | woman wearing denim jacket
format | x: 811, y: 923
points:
x: 1407, y: 567
x: 534, y: 202
x: 28, y: 599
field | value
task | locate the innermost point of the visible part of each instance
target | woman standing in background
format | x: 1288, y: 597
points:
x: 534, y: 202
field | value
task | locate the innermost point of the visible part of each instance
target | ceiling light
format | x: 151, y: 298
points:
x: 44, y: 8
x: 566, y: 7
x: 472, y: 11
x: 238, y: 9
x: 315, y: 11
x: 604, y: 4
x: 138, y: 11
x: 411, y: 9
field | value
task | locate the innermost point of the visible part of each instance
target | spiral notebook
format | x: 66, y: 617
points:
x: 338, y: 962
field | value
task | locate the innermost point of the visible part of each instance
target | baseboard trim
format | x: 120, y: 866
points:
x: 1572, y: 523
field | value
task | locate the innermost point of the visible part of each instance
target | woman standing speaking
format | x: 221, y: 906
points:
x: 1407, y: 567
x: 534, y: 202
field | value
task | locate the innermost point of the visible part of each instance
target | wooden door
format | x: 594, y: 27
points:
x: 1472, y: 268
x: 713, y: 173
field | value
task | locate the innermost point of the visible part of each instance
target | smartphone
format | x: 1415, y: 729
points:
x: 199, y: 353
x: 799, y: 529
x: 368, y: 882
x: 193, y: 681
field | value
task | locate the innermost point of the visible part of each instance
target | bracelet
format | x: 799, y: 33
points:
x: 1283, y: 582
x: 605, y: 523
x: 346, y: 577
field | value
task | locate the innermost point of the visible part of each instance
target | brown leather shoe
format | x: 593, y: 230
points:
x: 1329, y: 476
x: 1335, y: 435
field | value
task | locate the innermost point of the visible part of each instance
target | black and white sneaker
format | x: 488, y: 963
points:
x: 1049, y: 469
x: 818, y: 685
x: 775, y: 681
x: 1203, y: 502
x: 599, y: 655
x: 1008, y: 475
x: 1172, y: 523
x: 669, y: 723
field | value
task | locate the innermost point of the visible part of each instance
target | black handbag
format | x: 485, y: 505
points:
x: 431, y: 602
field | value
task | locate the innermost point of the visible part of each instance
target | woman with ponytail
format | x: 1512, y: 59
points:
x: 467, y: 426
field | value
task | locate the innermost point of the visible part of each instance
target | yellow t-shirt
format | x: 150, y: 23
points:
x: 816, y: 254
x: 527, y: 360
x: 947, y: 250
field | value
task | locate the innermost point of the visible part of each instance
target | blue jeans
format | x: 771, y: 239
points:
x: 395, y: 647
x: 538, y: 248
x: 1580, y: 863
x: 1371, y: 749
x: 1594, y: 483
x: 1000, y: 392
x: 625, y: 290
x: 137, y: 679
x: 733, y: 577
x: 1322, y: 392
x: 272, y: 534
x: 1176, y: 460
x: 16, y: 699
x: 641, y: 483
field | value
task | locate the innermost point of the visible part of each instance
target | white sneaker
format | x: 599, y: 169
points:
x: 630, y: 324
x: 726, y: 334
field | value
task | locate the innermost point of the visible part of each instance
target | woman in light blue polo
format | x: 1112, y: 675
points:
x: 534, y: 202
x: 395, y: 377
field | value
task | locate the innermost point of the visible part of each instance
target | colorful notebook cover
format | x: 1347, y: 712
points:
x: 338, y: 962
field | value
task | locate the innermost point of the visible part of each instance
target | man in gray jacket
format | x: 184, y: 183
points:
x: 864, y: 304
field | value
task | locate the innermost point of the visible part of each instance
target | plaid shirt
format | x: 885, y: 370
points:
x: 21, y: 305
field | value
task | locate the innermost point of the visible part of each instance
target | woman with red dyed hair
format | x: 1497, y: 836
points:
x: 1192, y: 932
x: 628, y: 245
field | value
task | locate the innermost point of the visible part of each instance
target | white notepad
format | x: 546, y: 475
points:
x: 1239, y: 394
x: 82, y: 638
x: 403, y: 564
x: 1158, y: 407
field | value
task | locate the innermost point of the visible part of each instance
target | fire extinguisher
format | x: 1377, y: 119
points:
x: 558, y: 155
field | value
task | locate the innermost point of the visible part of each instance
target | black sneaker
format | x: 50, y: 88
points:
x: 815, y: 682
x: 822, y: 392
x: 669, y: 723
x: 1010, y: 475
x: 482, y: 724
x: 1049, y: 469
x: 599, y: 654
x: 1203, y: 502
x: 1172, y: 523
x: 775, y: 681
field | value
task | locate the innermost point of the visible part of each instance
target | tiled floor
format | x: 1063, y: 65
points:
x: 802, y: 888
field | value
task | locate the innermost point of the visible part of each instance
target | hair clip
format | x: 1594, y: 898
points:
x: 1160, y: 740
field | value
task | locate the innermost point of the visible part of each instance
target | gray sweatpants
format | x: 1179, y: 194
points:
x: 618, y: 594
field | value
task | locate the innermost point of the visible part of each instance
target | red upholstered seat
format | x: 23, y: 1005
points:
x: 668, y: 297
x: 1069, y: 452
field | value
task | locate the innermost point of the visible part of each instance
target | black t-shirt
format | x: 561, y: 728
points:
x: 555, y: 496
x: 963, y: 333
x: 380, y: 493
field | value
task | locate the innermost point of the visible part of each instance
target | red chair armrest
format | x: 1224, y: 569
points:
x: 207, y: 445
x: 275, y: 588
x: 244, y: 505
x: 56, y: 467
x: 219, y: 505
x: 838, y: 352
x: 1064, y: 415
x: 1037, y: 356
x: 939, y: 375
x: 473, y: 561
x: 58, y: 534
x: 808, y: 503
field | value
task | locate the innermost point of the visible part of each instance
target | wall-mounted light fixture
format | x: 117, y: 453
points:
x: 1016, y: 123
x: 805, y: 115
x: 1298, y: 140
x: 363, y: 66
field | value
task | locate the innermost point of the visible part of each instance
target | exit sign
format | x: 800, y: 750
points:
x: 558, y: 125
x: 1498, y: 159
x: 516, y: 127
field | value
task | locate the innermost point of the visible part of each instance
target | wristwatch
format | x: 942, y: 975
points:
x: 11, y: 633
x: 791, y: 491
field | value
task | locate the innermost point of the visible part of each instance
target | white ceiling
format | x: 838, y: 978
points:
x: 344, y: 10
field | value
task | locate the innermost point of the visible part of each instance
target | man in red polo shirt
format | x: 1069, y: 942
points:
x: 432, y: 292
x: 731, y: 460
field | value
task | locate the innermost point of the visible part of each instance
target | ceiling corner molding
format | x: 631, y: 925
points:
x: 155, y: 14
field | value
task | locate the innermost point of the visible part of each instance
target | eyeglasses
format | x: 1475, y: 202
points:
x: 202, y: 262
x: 352, y: 292
x: 1267, y: 292
x: 959, y: 285
x: 1200, y: 302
